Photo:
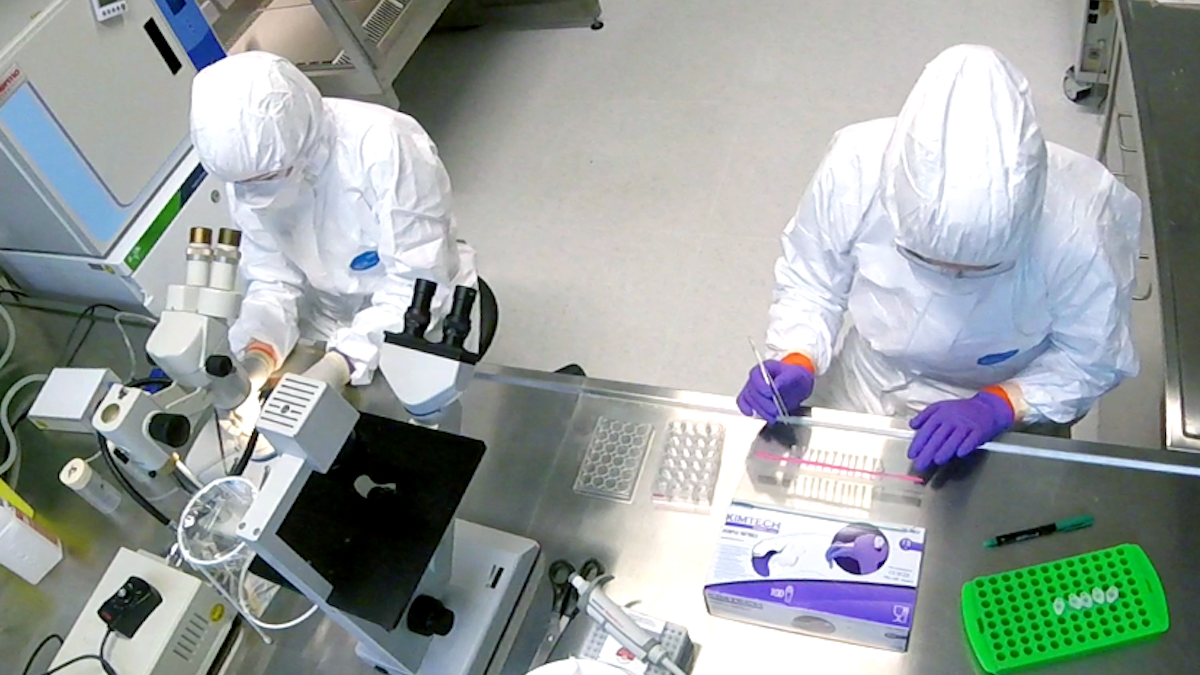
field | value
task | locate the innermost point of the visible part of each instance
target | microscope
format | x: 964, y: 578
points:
x: 357, y: 511
x: 191, y: 345
x: 151, y: 430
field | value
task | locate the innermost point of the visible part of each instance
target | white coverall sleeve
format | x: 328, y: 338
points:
x: 1091, y: 288
x: 413, y: 212
x: 814, y: 274
x: 273, y: 287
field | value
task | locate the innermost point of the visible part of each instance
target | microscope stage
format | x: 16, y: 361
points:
x: 492, y: 583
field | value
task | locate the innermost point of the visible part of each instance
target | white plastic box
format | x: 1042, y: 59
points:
x: 818, y: 575
x: 26, y: 549
x: 68, y: 398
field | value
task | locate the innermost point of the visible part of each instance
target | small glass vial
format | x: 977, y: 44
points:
x: 86, y: 483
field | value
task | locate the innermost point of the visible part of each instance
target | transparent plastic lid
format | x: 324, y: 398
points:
x: 207, y: 532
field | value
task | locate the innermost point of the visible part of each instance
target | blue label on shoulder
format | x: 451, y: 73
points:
x: 364, y: 261
x: 1001, y: 357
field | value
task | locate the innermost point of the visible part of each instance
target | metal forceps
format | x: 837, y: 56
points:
x: 566, y: 602
x: 762, y: 368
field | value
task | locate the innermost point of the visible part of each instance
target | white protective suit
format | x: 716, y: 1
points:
x: 962, y: 176
x: 356, y: 208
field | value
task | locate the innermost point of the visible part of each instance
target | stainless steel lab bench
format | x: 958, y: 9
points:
x: 1155, y: 149
x: 537, y: 428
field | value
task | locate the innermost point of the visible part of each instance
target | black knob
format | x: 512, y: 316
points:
x: 218, y: 365
x: 428, y: 616
x: 169, y: 429
x: 418, y: 316
x: 458, y: 322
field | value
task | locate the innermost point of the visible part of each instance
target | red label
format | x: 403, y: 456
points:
x: 11, y: 81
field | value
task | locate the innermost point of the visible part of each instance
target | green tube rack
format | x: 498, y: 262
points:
x: 1012, y: 623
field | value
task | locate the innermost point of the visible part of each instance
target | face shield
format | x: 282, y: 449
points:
x: 951, y: 278
x: 279, y: 189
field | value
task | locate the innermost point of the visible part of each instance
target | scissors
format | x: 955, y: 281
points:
x: 565, y: 605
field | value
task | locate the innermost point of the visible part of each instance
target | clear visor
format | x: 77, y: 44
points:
x: 262, y: 191
x: 954, y: 270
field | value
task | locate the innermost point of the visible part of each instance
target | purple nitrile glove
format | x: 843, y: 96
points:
x: 795, y: 384
x: 949, y: 429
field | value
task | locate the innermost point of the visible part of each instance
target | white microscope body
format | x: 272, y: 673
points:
x: 475, y: 587
x: 191, y: 345
x: 428, y: 377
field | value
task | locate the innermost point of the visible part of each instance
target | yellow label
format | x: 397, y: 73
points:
x: 217, y: 613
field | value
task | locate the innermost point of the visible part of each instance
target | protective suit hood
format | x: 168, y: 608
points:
x: 964, y: 174
x: 255, y: 114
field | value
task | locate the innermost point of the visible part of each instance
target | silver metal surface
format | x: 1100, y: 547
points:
x: 1159, y: 46
x: 90, y: 539
x: 660, y: 556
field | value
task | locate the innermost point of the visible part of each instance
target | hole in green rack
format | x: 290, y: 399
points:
x: 1041, y: 648
x: 1008, y: 632
x: 1138, y: 602
x: 1015, y: 654
x: 996, y: 646
x: 1000, y: 656
x: 1146, y: 623
x: 1094, y: 635
x: 1134, y: 591
x: 1103, y: 621
x: 993, y: 581
x: 1005, y: 577
x: 1070, y: 563
x: 1058, y: 566
x: 1074, y: 574
x: 1062, y: 577
x: 1045, y: 612
x: 1120, y: 628
x: 1028, y: 651
x: 1067, y: 642
x: 1008, y: 588
x: 1012, y: 642
x: 1128, y: 615
x: 1133, y: 625
x: 1022, y: 629
x: 1024, y: 639
x: 1108, y: 632
x: 1022, y: 585
x: 1091, y: 624
x: 992, y: 625
x: 1052, y: 633
x: 1142, y: 612
x: 1054, y: 644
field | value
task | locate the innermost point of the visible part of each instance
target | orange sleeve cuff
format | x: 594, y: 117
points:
x: 997, y: 390
x: 798, y: 359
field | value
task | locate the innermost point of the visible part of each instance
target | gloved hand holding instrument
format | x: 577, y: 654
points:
x: 776, y: 388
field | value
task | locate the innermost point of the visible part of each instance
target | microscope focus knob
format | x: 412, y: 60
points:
x: 218, y: 365
x: 428, y: 616
x: 169, y: 429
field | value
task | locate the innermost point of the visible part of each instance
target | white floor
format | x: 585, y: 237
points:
x: 625, y: 188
